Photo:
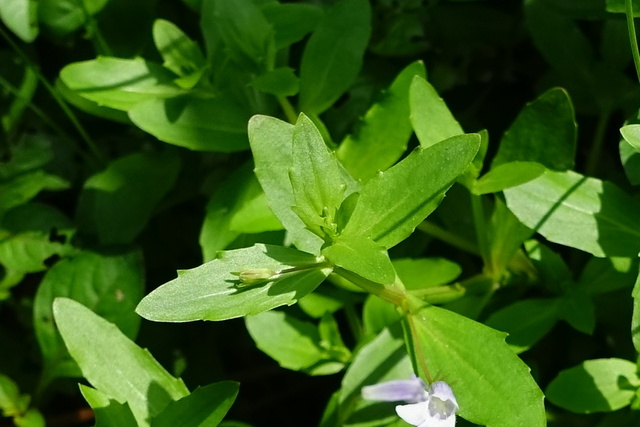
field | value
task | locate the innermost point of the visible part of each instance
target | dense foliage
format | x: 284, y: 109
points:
x: 352, y: 192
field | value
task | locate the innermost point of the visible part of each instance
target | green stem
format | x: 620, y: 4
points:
x: 395, y: 294
x: 481, y: 227
x: 288, y: 109
x: 596, y: 146
x: 448, y: 237
x: 353, y: 320
x: 632, y: 36
x: 56, y: 96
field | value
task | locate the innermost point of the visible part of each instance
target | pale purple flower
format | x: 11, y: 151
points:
x: 435, y: 406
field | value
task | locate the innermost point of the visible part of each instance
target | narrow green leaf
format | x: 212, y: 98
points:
x: 111, y: 285
x: 382, y: 136
x: 580, y: 212
x: 333, y: 55
x: 119, y: 83
x: 116, y: 204
x: 526, y: 321
x: 393, y: 203
x: 21, y: 17
x: 212, y: 292
x: 213, y: 124
x: 271, y: 144
x: 317, y: 179
x: 544, y: 132
x: 362, y: 256
x: 108, y: 411
x: 600, y: 385
x: 507, y: 175
x: 204, y: 407
x: 430, y: 117
x: 492, y: 385
x: 115, y: 365
x: 291, y: 21
x: 180, y: 54
x: 293, y: 343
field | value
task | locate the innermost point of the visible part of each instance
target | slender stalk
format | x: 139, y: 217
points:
x: 395, y: 294
x: 288, y: 109
x: 632, y: 36
x: 420, y: 354
x: 353, y: 320
x: 598, y: 142
x: 481, y: 227
x: 448, y: 237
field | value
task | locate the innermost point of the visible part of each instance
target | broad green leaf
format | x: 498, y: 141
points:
x: 246, y: 32
x: 550, y: 268
x: 29, y: 155
x: 631, y: 134
x: 324, y: 300
x: 630, y: 158
x: 394, y: 202
x: 111, y: 285
x: 506, y: 235
x: 578, y: 310
x: 25, y: 187
x: 204, y: 407
x: 115, y: 365
x: 600, y: 385
x: 91, y: 107
x: 619, y: 6
x: 526, y: 321
x: 377, y: 314
x: 419, y: 273
x: 21, y: 17
x: 116, y: 204
x: 507, y: 175
x: 180, y: 54
x: 271, y: 144
x: 281, y: 81
x: 31, y: 418
x: 317, y: 179
x: 362, y: 256
x: 119, y: 83
x: 211, y: 124
x: 584, y: 213
x: 430, y: 117
x: 293, y: 343
x: 62, y: 17
x: 602, y: 275
x: 291, y: 21
x: 212, y: 292
x: 383, y: 359
x: 333, y: 55
x: 238, y: 206
x: 108, y: 411
x: 492, y: 385
x: 544, y: 132
x: 382, y: 135
x: 12, y: 403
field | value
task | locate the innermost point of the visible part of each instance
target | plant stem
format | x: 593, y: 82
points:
x: 596, y: 146
x: 353, y: 320
x: 448, y: 237
x: 395, y: 294
x: 632, y: 36
x: 288, y: 109
x: 481, y: 227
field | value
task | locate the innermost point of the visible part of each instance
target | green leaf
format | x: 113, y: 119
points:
x: 119, y: 83
x: 492, y: 385
x: 63, y: 17
x: 631, y: 134
x: 580, y: 212
x: 31, y: 418
x: 317, y: 179
x: 291, y: 21
x: 578, y: 310
x: 21, y: 17
x: 362, y: 256
x: 281, y: 81
x: 293, y: 343
x: 393, y: 203
x: 430, y: 117
x: 116, y: 204
x: 111, y: 285
x: 619, y: 6
x: 382, y: 135
x: 245, y: 31
x: 28, y: 155
x: 506, y: 235
x: 526, y: 321
x: 180, y: 54
x: 115, y: 365
x: 212, y: 292
x: 630, y: 158
x: 420, y: 273
x: 26, y: 186
x: 551, y: 269
x: 212, y: 124
x: 108, y: 411
x: 204, y: 407
x: 602, y: 275
x: 600, y: 385
x: 377, y: 314
x: 635, y: 320
x: 507, y: 175
x: 271, y: 144
x: 12, y: 403
x: 333, y: 55
x: 544, y: 132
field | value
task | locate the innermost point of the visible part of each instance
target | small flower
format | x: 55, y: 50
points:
x: 432, y: 407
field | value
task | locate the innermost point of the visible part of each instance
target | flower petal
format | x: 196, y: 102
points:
x: 412, y: 391
x: 415, y: 414
x: 442, y: 391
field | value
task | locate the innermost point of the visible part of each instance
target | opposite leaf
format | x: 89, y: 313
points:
x: 492, y: 385
x: 213, y: 292
x: 362, y: 256
x: 393, y: 203
x: 114, y: 364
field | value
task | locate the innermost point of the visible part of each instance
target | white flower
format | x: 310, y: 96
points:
x: 433, y: 407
